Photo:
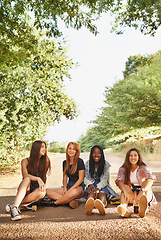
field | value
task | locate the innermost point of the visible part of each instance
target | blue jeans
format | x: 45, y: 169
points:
x: 136, y: 188
x: 105, y: 189
x: 33, y: 187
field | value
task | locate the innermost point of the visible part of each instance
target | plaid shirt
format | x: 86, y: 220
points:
x: 142, y: 174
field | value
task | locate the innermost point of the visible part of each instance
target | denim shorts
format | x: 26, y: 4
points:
x: 33, y: 187
x: 135, y: 188
x: 70, y: 184
x: 105, y: 189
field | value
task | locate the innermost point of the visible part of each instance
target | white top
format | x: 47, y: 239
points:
x: 133, y: 178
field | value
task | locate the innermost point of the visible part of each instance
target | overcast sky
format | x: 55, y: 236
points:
x: 102, y: 60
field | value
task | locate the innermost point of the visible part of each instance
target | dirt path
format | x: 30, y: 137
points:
x: 65, y: 223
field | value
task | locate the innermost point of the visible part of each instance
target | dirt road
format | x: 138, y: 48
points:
x: 65, y: 223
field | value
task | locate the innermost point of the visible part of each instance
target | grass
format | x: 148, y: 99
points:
x: 150, y: 152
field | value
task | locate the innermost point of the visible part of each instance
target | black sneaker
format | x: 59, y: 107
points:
x: 15, y: 214
x: 48, y: 202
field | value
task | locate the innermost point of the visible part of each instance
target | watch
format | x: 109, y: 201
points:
x: 143, y: 190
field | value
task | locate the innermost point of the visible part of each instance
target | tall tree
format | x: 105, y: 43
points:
x: 143, y: 15
x: 33, y: 96
x: 133, y: 102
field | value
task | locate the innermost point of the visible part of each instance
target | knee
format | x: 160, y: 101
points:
x: 40, y: 194
x: 49, y: 192
x: 27, y: 180
x: 74, y: 193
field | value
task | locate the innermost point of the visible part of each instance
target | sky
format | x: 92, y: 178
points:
x: 101, y: 62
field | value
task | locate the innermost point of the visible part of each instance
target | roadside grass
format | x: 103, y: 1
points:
x: 150, y: 152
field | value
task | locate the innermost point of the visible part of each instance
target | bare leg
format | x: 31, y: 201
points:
x: 21, y: 196
x: 54, y: 193
x: 69, y: 196
x: 22, y: 189
x: 34, y: 196
x: 91, y: 195
x: 102, y: 196
x: 149, y: 194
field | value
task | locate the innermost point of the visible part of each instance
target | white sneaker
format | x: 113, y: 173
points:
x: 100, y: 206
x: 123, y: 212
x: 89, y: 206
x: 143, y: 206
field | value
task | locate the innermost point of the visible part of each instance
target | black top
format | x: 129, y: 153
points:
x: 74, y: 177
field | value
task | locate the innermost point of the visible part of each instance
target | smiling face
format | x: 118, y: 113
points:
x: 133, y: 157
x: 96, y: 154
x: 71, y: 151
x: 42, y: 149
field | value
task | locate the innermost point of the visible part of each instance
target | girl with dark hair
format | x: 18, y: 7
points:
x: 73, y: 177
x: 97, y: 181
x: 34, y: 170
x: 134, y: 176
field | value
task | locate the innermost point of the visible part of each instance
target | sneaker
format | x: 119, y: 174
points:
x: 100, y: 206
x: 89, y: 206
x: 74, y: 203
x: 15, y: 214
x: 143, y: 206
x: 123, y: 212
x: 8, y: 207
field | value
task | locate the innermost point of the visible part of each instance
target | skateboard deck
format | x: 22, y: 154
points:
x: 29, y: 206
x: 115, y: 201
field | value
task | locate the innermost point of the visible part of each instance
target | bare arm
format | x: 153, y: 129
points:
x: 126, y: 191
x: 146, y: 185
x: 24, y: 164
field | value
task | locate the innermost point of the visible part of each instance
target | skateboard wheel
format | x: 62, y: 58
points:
x: 34, y: 208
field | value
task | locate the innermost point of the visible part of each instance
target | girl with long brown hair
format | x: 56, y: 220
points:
x: 34, y: 170
x: 134, y: 176
x: 73, y: 177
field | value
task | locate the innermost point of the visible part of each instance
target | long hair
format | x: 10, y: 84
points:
x: 76, y: 157
x: 101, y: 165
x: 127, y: 164
x: 37, y: 163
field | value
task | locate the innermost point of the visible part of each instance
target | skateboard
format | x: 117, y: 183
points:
x: 29, y: 206
x: 115, y: 201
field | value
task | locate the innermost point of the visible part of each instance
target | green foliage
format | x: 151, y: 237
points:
x: 16, y: 18
x: 134, y: 102
x: 132, y: 105
x: 133, y: 62
x: 9, y: 157
x: 56, y: 147
x: 137, y: 134
x: 143, y: 15
x: 91, y: 138
x: 33, y: 96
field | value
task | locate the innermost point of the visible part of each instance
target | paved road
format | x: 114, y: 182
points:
x: 65, y: 223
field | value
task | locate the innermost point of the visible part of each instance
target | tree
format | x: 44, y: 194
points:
x: 18, y: 18
x: 133, y: 62
x: 144, y: 15
x: 131, y: 104
x: 33, y: 96
x: 91, y: 138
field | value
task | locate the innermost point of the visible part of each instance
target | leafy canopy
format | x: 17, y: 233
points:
x: 132, y: 103
x: 33, y: 96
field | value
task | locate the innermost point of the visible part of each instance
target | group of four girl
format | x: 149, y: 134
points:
x: 90, y: 181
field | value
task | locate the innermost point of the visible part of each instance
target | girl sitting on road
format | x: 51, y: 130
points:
x: 73, y: 169
x: 34, y: 170
x: 97, y: 181
x: 134, y: 176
